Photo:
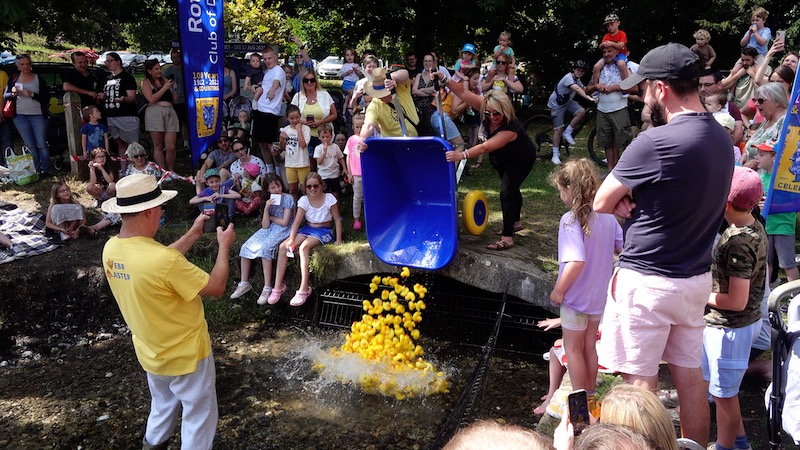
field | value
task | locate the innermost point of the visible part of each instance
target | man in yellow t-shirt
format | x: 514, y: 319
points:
x: 380, y: 113
x: 159, y: 294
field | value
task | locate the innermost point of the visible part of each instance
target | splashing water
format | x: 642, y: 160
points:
x: 381, y: 353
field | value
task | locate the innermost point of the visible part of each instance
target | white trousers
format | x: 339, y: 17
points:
x: 197, y: 393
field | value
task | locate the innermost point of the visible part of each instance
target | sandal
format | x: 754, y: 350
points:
x: 300, y: 297
x: 669, y: 398
x: 516, y: 230
x: 275, y: 295
x: 500, y: 246
x: 475, y: 166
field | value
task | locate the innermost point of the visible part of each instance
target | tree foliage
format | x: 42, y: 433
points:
x: 249, y: 21
x: 546, y: 35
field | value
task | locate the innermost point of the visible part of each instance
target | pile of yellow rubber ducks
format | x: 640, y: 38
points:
x: 387, y: 335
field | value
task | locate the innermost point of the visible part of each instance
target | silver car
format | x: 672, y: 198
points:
x: 330, y: 67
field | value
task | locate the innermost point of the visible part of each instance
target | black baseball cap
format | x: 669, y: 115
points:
x: 667, y: 62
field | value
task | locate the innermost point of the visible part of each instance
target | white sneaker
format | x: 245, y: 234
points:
x: 243, y: 288
x: 556, y: 160
x: 263, y: 298
x: 6, y: 256
x: 568, y: 137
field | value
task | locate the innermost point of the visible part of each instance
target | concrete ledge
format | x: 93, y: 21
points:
x: 494, y: 271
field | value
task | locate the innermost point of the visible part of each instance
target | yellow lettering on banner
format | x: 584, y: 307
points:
x: 784, y: 178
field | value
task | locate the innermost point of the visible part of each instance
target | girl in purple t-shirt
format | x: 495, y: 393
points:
x: 587, y: 242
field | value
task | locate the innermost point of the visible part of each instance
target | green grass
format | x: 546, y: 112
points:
x: 38, y: 47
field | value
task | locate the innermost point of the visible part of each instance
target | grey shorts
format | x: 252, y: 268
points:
x: 614, y: 128
x: 557, y: 113
x: 161, y: 118
x: 125, y: 128
x: 783, y: 245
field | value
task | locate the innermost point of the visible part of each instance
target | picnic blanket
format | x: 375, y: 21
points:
x: 26, y: 231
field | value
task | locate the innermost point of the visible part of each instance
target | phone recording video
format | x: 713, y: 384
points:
x: 578, y: 405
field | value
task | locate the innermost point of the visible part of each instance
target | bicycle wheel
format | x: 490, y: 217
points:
x: 540, y: 130
x: 597, y: 154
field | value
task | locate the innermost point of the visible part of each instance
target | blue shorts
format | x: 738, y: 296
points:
x: 324, y: 235
x: 726, y: 352
x: 621, y: 57
x: 449, y: 125
x: 347, y: 85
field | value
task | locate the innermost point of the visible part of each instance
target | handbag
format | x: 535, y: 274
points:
x: 10, y: 108
x: 21, y: 167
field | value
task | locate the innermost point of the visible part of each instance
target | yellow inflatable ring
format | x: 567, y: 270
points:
x: 475, y: 212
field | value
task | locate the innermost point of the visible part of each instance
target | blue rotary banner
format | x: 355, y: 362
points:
x: 202, y: 50
x: 784, y: 193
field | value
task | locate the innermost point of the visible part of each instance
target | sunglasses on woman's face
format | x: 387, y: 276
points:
x: 500, y: 61
x: 492, y: 113
x: 137, y: 156
x: 309, y: 80
x: 761, y: 100
x: 312, y: 186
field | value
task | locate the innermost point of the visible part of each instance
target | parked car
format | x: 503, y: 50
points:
x: 330, y: 67
x: 7, y: 57
x: 163, y: 58
x: 132, y: 62
x: 53, y: 73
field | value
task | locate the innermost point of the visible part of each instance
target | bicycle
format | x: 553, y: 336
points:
x: 540, y: 129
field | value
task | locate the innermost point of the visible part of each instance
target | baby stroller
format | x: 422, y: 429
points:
x: 783, y: 395
x: 232, y: 107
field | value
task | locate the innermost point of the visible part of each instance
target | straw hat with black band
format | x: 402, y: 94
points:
x: 137, y: 193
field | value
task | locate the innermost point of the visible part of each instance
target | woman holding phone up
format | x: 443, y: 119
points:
x: 160, y: 118
x: 316, y: 107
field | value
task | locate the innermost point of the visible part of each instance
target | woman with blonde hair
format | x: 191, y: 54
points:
x: 511, y: 153
x: 628, y: 406
x: 316, y: 108
x: 640, y: 410
x: 490, y: 435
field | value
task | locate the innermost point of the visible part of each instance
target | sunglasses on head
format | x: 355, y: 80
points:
x: 309, y: 80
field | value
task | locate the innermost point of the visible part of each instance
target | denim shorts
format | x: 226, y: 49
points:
x: 449, y: 126
x: 726, y: 352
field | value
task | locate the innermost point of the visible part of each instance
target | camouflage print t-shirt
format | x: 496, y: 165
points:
x: 741, y: 253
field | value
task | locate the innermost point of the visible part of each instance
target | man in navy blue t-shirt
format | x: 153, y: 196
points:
x: 671, y: 186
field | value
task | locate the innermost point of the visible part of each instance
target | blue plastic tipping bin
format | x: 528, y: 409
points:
x: 410, y: 201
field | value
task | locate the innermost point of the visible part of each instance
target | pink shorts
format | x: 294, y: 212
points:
x: 652, y: 317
